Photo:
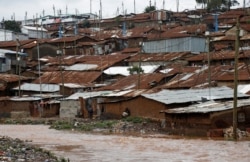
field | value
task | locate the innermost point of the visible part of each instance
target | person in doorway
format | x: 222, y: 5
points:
x: 89, y: 108
x: 40, y: 108
x: 126, y: 113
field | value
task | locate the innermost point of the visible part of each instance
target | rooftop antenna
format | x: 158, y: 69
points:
x: 54, y: 11
x: 163, y: 5
x: 123, y: 12
x: 155, y: 4
x: 117, y: 11
x: 66, y: 10
x: 177, y: 5
x: 150, y: 3
x: 100, y: 9
x: 59, y: 12
x: 134, y: 7
x: 90, y: 10
x: 25, y: 18
x: 244, y: 3
x: 76, y: 11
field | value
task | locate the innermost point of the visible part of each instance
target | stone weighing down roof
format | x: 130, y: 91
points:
x: 192, y: 95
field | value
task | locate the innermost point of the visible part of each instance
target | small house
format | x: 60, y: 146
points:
x: 201, y: 119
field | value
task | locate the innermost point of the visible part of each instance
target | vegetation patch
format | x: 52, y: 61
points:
x: 83, y: 126
x: 135, y: 119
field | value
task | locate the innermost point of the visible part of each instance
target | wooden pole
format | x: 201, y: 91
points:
x: 236, y: 81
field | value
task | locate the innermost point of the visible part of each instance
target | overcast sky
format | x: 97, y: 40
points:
x: 17, y: 8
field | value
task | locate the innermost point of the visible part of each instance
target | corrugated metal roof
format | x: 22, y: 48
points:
x: 68, y: 77
x: 123, y: 70
x: 176, y: 69
x: 159, y: 57
x: 80, y: 67
x: 12, y: 78
x: 36, y: 87
x: 207, y: 107
x: 117, y: 94
x: 127, y: 93
x: 25, y: 98
x: 244, y: 88
x: 35, y: 28
x: 102, y: 61
x: 219, y: 55
x: 65, y: 39
x: 4, y: 51
x: 191, y: 95
x: 146, y: 81
x: 72, y: 85
x: 87, y: 95
x: 14, y: 43
x: 219, y: 73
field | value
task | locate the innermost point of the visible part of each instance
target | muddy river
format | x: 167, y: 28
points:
x: 81, y: 147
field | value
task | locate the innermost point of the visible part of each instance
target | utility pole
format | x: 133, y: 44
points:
x: 60, y: 52
x: 18, y: 59
x: 208, y: 63
x: 39, y: 66
x: 235, y: 121
x: 139, y: 66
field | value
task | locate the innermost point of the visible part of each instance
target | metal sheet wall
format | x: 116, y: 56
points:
x: 193, y: 44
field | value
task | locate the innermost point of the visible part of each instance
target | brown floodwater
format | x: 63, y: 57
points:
x: 82, y: 147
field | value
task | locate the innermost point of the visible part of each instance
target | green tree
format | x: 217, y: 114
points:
x: 149, y: 9
x: 12, y: 25
x: 218, y: 4
x: 135, y: 70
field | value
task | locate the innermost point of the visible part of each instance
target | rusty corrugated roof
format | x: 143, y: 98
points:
x: 68, y: 77
x: 219, y: 55
x: 67, y: 39
x: 166, y: 35
x: 158, y: 57
x: 102, y: 61
x: 199, y: 78
x: 131, y: 82
x: 12, y: 78
x: 224, y: 38
x: 191, y: 29
x: 243, y: 74
x: 5, y: 44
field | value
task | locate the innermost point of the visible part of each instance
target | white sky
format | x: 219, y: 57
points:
x: 17, y: 8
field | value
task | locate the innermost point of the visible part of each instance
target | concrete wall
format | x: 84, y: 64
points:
x: 69, y: 108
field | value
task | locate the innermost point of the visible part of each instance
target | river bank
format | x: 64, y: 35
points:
x: 83, y: 147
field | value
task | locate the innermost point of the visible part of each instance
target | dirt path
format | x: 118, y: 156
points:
x: 79, y: 147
